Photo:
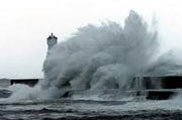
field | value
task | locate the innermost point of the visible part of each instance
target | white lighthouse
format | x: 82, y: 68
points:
x: 51, y: 41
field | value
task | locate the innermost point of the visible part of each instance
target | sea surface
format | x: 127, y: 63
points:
x: 92, y: 109
x: 88, y: 110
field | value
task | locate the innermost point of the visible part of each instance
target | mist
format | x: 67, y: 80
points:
x: 102, y: 57
x: 105, y: 56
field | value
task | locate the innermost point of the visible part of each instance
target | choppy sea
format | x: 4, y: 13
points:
x: 87, y: 109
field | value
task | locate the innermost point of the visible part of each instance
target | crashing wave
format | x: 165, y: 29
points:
x: 101, y: 57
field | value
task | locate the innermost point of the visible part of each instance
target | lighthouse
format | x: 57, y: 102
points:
x: 51, y: 41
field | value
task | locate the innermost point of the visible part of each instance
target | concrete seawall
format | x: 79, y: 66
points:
x: 161, y: 88
x: 164, y: 82
x: 154, y: 88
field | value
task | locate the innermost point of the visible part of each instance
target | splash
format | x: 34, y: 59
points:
x: 95, y: 58
x: 102, y: 57
x: 167, y: 64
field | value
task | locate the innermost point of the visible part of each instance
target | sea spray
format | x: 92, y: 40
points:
x: 101, y: 61
x: 101, y: 57
x: 168, y: 63
x: 104, y: 57
x: 24, y: 93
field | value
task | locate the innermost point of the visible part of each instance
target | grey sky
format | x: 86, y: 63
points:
x: 25, y: 24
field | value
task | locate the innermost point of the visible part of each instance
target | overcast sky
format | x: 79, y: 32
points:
x: 25, y: 25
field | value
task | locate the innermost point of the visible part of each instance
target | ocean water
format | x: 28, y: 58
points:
x: 82, y: 109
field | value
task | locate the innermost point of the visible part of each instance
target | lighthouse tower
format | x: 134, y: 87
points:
x: 51, y: 41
